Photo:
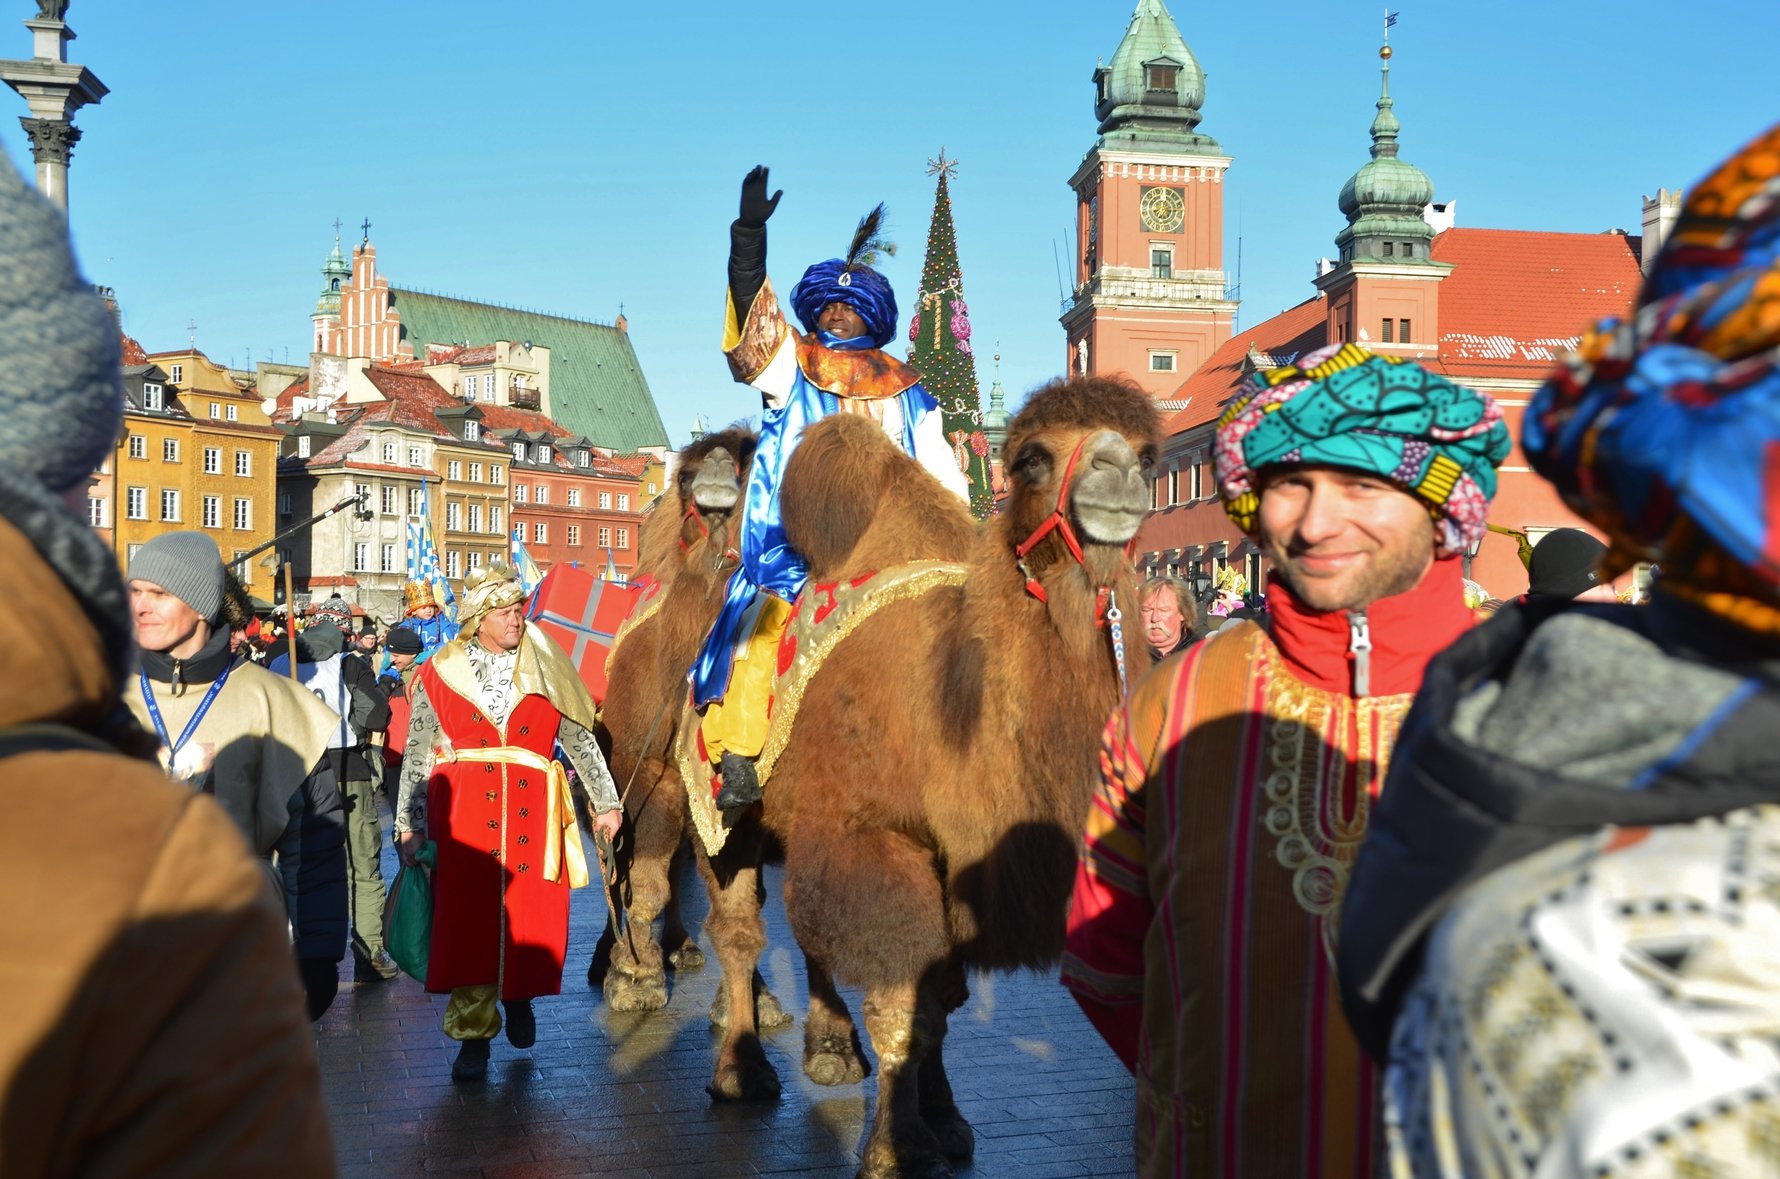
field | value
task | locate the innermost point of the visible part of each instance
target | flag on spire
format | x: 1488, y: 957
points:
x: 939, y: 331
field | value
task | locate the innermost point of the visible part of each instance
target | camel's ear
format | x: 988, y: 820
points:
x: 831, y: 487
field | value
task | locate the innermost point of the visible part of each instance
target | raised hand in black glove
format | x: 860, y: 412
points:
x: 756, y: 205
x: 321, y: 981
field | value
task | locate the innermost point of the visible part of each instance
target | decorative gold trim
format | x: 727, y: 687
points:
x: 751, y: 344
x: 645, y: 611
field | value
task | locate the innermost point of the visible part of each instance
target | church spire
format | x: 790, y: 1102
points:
x: 1148, y: 96
x: 1383, y: 201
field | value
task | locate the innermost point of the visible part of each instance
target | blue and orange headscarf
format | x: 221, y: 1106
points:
x: 1343, y: 406
x: 1664, y: 428
x: 859, y: 287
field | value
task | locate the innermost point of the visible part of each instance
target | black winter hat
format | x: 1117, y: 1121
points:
x: 1566, y: 562
x: 402, y: 641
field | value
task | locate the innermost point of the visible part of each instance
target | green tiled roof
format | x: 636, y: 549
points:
x: 596, y: 385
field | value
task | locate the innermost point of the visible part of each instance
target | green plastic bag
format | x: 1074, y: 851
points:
x: 408, y: 913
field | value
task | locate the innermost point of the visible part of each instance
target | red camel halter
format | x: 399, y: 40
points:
x: 704, y: 533
x: 1106, y: 609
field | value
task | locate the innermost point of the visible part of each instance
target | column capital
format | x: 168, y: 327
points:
x: 52, y: 140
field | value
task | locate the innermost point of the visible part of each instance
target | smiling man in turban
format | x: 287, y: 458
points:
x: 849, y: 312
x: 1236, y: 784
x: 478, y: 778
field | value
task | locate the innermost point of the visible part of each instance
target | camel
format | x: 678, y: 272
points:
x: 930, y: 795
x: 687, y: 548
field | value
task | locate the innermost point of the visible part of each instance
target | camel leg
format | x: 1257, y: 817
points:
x: 738, y: 935
x: 636, y: 979
x: 938, y: 1109
x: 683, y: 952
x: 602, y: 949
x: 831, y: 1051
x: 901, y: 1024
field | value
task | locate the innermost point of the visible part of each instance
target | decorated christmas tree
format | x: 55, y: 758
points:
x: 939, y: 330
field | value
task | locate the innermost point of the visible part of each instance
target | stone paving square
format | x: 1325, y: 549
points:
x: 623, y: 1095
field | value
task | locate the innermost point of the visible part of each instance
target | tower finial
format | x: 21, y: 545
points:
x: 336, y: 231
x: 367, y: 228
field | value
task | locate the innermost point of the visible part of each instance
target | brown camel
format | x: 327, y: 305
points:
x: 939, y: 772
x: 687, y: 547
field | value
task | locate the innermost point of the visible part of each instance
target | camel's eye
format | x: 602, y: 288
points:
x: 1147, y: 462
x: 1033, y: 463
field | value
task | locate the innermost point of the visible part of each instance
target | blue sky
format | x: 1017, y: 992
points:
x: 573, y: 156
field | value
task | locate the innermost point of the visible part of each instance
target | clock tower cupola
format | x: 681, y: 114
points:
x: 1150, y: 296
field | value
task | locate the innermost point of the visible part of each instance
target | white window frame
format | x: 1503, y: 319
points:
x: 623, y: 538
x: 497, y: 475
x: 454, y: 517
x: 574, y: 494
x: 212, y: 511
x: 386, y: 501
x: 472, y: 430
x: 215, y: 410
x: 169, y: 450
x: 574, y: 536
x: 605, y: 538
x: 474, y: 518
x: 170, y: 506
x: 494, y: 518
x: 243, y: 518
x: 136, y: 503
x: 153, y: 397
x: 229, y: 413
x: 95, y: 512
x: 540, y: 533
x: 213, y: 460
x: 303, y: 446
x: 605, y: 501
x: 454, y: 470
x: 624, y: 501
x: 244, y: 464
x: 416, y: 501
x: 543, y: 455
x: 176, y: 373
x: 451, y: 563
x: 416, y: 458
x: 475, y: 472
x: 389, y: 453
x: 541, y: 493
x: 387, y: 561
x: 361, y: 557
x: 138, y: 446
x: 519, y: 493
x: 1164, y: 360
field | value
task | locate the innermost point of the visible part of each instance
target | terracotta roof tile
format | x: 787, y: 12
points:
x: 133, y: 353
x: 1281, y: 339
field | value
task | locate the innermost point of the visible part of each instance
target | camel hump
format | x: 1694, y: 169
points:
x: 853, y: 502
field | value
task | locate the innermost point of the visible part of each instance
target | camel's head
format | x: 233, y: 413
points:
x: 712, y: 473
x: 1084, y: 446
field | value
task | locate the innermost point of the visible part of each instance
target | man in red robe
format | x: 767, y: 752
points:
x: 1238, y: 779
x: 479, y: 779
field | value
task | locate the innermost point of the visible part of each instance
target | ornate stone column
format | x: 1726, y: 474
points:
x: 54, y: 89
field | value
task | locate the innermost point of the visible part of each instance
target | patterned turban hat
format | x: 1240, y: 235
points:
x: 1664, y: 428
x: 487, y: 588
x: 861, y: 288
x: 1342, y: 406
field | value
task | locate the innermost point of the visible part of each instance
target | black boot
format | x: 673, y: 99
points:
x: 741, y: 785
x: 522, y: 1026
x: 472, y: 1061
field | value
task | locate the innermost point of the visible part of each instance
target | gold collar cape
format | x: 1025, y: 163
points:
x: 541, y: 669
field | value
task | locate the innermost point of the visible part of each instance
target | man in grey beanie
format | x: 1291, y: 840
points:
x: 255, y: 741
x: 164, y: 948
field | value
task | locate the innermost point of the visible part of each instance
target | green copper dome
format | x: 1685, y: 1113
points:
x: 1383, y: 201
x: 1149, y: 95
x: 336, y: 273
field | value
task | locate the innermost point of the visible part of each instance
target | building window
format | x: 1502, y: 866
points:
x: 624, y: 538
x: 130, y: 553
x: 95, y: 512
x: 475, y: 472
x: 151, y: 397
x: 1162, y: 362
x: 176, y: 373
x: 212, y: 511
x: 361, y: 557
x: 1161, y: 262
x: 1409, y: 249
x: 284, y: 503
x: 519, y: 452
x: 574, y: 495
x: 389, y: 453
x: 544, y: 455
x: 138, y: 446
x: 624, y: 501
x: 497, y: 475
x: 605, y: 501
x: 475, y: 560
x: 605, y: 538
x: 541, y: 494
x: 1160, y: 77
x: 519, y: 493
x: 1198, y: 478
x: 494, y: 517
x: 574, y: 536
x: 472, y: 431
x: 169, y: 504
x: 244, y: 463
x: 169, y: 450
x: 475, y: 518
x: 229, y: 413
x: 470, y: 388
x: 650, y: 489
x: 454, y: 517
x: 454, y: 470
x: 451, y: 563
x: 540, y: 533
x: 415, y: 458
x: 386, y: 500
x: 1403, y: 331
x: 215, y: 410
x: 303, y: 446
x: 582, y: 459
x: 387, y: 559
x: 1389, y: 326
x: 243, y: 515
x: 136, y: 503
x: 1390, y: 249
x: 417, y: 501
x: 363, y: 491
x: 213, y: 460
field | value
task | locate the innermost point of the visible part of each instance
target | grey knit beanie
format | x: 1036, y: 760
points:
x: 187, y: 565
x: 61, y: 389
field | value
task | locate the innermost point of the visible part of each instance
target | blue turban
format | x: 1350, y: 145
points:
x: 861, y: 288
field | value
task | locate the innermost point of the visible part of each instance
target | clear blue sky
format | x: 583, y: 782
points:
x: 572, y: 156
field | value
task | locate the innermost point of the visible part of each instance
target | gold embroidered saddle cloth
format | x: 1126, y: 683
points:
x: 824, y: 614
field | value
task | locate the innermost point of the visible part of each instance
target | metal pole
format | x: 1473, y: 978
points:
x: 290, y: 621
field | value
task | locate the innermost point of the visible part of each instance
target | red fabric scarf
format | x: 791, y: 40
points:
x: 1407, y: 630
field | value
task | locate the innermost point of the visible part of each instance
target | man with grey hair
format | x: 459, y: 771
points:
x: 1170, y: 616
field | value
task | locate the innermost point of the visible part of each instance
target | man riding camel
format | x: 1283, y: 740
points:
x: 849, y: 312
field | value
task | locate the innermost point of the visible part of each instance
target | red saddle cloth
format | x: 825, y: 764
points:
x: 582, y: 613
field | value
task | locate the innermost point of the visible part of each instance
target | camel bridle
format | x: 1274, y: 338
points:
x: 704, y: 533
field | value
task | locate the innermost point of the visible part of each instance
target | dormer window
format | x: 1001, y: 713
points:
x: 519, y: 452
x: 1161, y: 76
x: 303, y: 446
x: 544, y: 454
x: 472, y: 430
x: 581, y: 459
x: 152, y: 397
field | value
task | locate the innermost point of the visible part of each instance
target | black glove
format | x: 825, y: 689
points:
x: 756, y: 205
x: 321, y: 981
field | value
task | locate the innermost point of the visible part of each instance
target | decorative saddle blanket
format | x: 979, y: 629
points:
x: 824, y: 614
x: 648, y: 601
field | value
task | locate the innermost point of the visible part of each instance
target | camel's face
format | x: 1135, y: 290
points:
x: 717, y: 484
x: 1111, y: 491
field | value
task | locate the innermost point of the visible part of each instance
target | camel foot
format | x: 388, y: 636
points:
x: 636, y: 993
x: 834, y: 1060
x: 957, y: 1141
x: 751, y: 1077
x: 884, y: 1164
x: 687, y: 957
x: 768, y: 1014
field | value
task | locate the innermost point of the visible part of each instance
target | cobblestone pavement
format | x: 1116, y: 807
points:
x: 623, y: 1095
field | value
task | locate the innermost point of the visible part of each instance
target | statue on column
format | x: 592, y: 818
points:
x: 52, y: 9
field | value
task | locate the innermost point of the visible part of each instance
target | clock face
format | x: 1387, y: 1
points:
x: 1163, y: 210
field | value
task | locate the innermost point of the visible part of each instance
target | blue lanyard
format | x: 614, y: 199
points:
x: 191, y: 726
